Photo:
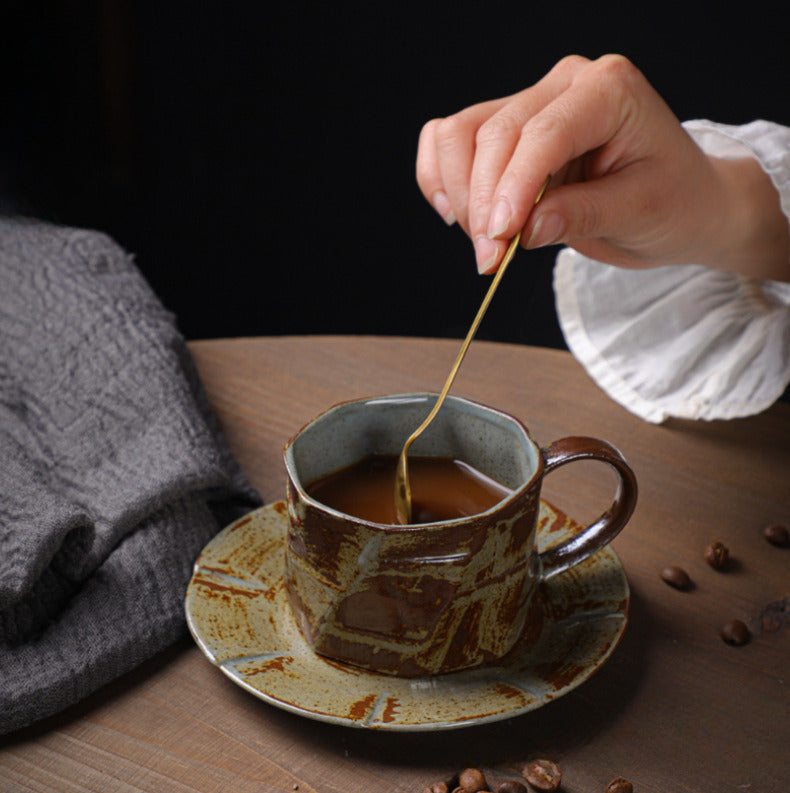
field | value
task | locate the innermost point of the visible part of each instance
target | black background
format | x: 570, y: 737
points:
x: 259, y: 162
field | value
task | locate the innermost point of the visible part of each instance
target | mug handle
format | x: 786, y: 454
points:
x: 593, y: 537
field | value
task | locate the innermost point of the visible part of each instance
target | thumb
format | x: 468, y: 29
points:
x: 579, y: 211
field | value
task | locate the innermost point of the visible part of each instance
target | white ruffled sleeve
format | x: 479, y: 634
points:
x: 687, y: 342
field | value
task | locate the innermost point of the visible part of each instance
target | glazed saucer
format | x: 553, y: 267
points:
x: 238, y: 614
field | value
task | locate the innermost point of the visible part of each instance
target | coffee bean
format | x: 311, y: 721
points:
x: 777, y: 535
x: 676, y: 576
x: 543, y: 775
x: 471, y: 780
x: 735, y: 632
x: 511, y: 786
x: 717, y: 555
x: 619, y: 785
x: 437, y: 787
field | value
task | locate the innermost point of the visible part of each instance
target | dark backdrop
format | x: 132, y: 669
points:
x: 259, y: 162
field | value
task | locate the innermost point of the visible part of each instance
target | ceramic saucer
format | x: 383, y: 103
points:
x: 238, y: 613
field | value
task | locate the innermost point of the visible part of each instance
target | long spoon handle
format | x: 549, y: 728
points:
x: 469, y: 336
x: 402, y: 487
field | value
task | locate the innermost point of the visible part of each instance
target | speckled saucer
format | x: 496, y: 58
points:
x: 238, y: 613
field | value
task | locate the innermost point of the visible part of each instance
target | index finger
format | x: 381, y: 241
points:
x: 593, y: 111
x: 497, y: 144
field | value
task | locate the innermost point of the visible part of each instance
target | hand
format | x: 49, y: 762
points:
x: 629, y: 186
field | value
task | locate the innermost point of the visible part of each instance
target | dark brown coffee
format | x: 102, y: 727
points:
x: 442, y: 488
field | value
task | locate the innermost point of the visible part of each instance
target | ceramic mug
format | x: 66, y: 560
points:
x: 434, y: 597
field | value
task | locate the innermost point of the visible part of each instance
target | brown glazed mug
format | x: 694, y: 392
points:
x: 434, y: 597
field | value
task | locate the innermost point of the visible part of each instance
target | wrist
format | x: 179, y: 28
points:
x: 749, y: 234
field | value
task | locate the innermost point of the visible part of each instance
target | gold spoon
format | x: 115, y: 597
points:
x: 402, y: 487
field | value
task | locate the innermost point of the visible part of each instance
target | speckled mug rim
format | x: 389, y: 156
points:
x: 514, y: 495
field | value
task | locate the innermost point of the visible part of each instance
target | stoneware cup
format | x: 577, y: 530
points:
x: 434, y: 597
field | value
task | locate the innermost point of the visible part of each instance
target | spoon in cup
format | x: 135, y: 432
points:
x: 403, y: 500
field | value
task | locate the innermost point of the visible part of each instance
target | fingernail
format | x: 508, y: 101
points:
x: 486, y: 252
x: 500, y: 219
x: 441, y: 204
x: 548, y: 228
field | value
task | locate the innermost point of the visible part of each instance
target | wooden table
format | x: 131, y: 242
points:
x: 674, y: 709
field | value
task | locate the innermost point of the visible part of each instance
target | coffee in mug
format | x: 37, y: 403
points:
x: 443, y: 488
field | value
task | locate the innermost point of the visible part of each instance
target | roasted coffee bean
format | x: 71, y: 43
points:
x: 511, y: 786
x: 777, y: 535
x: 735, y: 632
x: 676, y: 576
x: 471, y: 780
x: 619, y: 785
x: 543, y: 775
x: 717, y: 555
x: 437, y: 787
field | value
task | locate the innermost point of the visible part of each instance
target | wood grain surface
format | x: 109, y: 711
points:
x: 674, y: 710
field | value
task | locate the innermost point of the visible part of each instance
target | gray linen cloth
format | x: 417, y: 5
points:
x: 113, y: 474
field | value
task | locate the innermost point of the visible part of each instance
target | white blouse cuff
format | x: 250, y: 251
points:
x: 685, y: 341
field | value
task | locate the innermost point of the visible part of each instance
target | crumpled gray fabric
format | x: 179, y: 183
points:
x: 113, y: 474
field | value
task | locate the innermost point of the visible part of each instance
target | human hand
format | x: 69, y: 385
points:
x: 629, y: 186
